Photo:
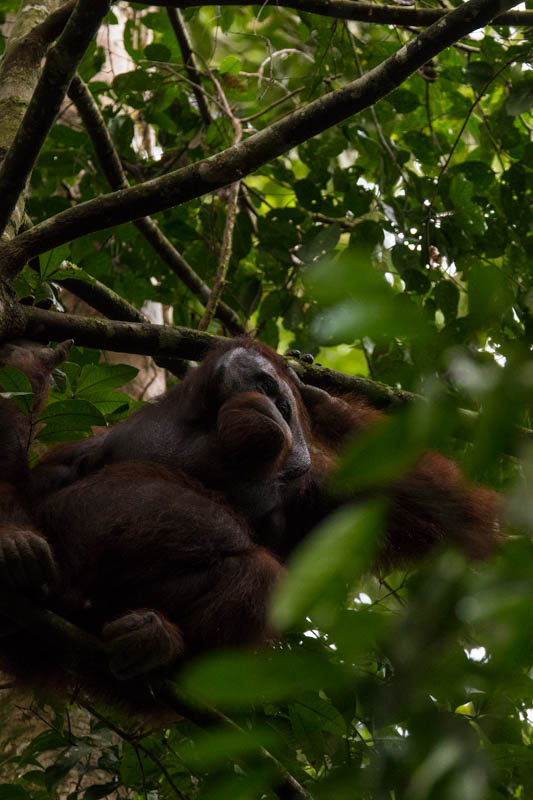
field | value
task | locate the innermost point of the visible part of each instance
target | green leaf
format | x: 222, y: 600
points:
x: 446, y: 296
x: 378, y: 317
x: 520, y: 98
x: 61, y: 768
x: 416, y: 280
x: 461, y: 191
x: 366, y: 234
x: 17, y: 387
x: 339, y: 550
x: 10, y: 791
x: 249, y: 294
x: 236, y: 680
x: 106, y: 400
x: 137, y: 766
x: 69, y: 270
x: 270, y: 333
x: 403, y: 101
x: 104, y: 376
x: 231, y: 65
x: 51, y: 261
x: 227, y: 16
x: 366, y: 305
x: 319, y: 243
x: 478, y: 73
x: 42, y: 743
x: 312, y: 714
x: 383, y: 452
x: 490, y: 292
x: 404, y: 258
x: 213, y: 749
x: 122, y: 132
x: 422, y: 146
x: 308, y: 194
x: 157, y: 52
x: 135, y: 81
x: 272, y: 306
x: 69, y: 419
x: 99, y: 790
x: 477, y: 172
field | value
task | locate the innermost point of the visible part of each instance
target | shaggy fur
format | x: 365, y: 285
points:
x: 166, y: 534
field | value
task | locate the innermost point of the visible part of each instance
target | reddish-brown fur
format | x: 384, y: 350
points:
x: 167, y: 534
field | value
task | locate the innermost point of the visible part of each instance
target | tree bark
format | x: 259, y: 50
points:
x: 60, y: 67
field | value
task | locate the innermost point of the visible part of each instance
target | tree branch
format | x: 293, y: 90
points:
x: 143, y: 338
x: 83, y: 647
x: 360, y: 12
x: 60, y: 66
x: 178, y: 26
x: 148, y: 339
x: 110, y: 163
x: 114, y: 307
x: 224, y: 258
x: 32, y: 47
x: 212, y: 173
x: 21, y: 610
x: 20, y: 70
x: 231, y: 214
x: 102, y: 299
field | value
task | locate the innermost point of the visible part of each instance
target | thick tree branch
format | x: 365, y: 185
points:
x: 212, y: 173
x: 360, y: 12
x: 60, y: 66
x: 95, y: 125
x: 114, y: 307
x: 143, y: 338
x: 35, y: 27
x: 103, y: 299
x: 31, y: 47
x: 162, y: 340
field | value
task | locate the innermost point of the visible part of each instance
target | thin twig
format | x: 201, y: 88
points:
x: 164, y: 66
x: 434, y: 139
x: 270, y: 58
x: 231, y: 214
x: 471, y: 110
x: 224, y: 258
x: 277, y: 102
x: 134, y: 742
x: 178, y: 26
x: 372, y: 109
